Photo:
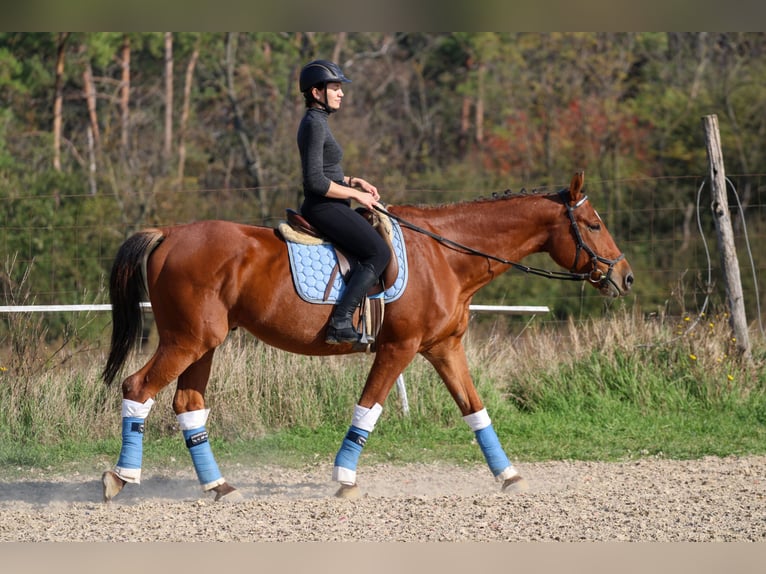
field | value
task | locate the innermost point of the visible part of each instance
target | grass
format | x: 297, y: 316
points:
x: 615, y: 388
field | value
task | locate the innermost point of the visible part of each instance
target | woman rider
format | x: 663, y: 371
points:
x: 328, y: 194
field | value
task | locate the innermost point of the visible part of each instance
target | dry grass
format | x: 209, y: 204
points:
x: 255, y: 388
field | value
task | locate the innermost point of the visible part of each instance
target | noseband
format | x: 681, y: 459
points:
x: 595, y: 276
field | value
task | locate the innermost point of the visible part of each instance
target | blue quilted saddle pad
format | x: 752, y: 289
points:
x: 312, y: 265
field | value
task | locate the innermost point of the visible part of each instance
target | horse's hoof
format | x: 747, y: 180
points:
x: 348, y: 491
x: 227, y: 493
x: 515, y: 484
x: 112, y: 484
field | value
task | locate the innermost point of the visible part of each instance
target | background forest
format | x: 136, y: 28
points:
x: 105, y: 133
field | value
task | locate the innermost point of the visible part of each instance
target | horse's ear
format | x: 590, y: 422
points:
x: 575, y: 188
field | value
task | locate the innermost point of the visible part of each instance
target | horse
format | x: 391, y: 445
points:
x: 206, y: 278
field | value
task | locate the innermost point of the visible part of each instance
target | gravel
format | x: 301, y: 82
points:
x: 707, y: 500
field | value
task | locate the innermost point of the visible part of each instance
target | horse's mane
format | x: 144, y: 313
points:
x: 496, y: 196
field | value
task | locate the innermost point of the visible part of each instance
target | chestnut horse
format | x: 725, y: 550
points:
x: 206, y: 278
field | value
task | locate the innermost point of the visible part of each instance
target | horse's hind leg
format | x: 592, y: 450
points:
x: 189, y: 406
x: 128, y: 468
x: 138, y: 392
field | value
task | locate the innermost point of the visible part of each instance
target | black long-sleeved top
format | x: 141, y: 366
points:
x: 321, y: 156
x: 320, y: 161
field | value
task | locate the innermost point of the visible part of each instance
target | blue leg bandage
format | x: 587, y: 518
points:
x: 131, y: 454
x: 348, y: 455
x: 192, y: 425
x: 202, y: 457
x: 362, y: 424
x: 494, y: 454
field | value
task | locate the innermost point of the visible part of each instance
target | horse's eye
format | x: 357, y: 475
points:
x: 594, y: 227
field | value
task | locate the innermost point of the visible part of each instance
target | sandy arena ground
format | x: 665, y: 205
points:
x: 707, y: 500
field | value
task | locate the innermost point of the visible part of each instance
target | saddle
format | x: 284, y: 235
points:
x: 381, y: 223
x: 298, y: 229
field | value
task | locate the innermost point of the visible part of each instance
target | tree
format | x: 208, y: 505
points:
x: 58, y: 98
x: 167, y: 148
x: 125, y: 96
x: 185, y: 107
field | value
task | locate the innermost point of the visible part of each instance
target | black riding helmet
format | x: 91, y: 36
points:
x: 320, y: 72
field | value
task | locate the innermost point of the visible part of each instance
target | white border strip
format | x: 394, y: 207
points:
x: 509, y: 310
x: 45, y: 308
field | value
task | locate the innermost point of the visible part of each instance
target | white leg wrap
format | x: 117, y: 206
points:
x: 193, y: 419
x: 344, y: 475
x: 365, y: 418
x: 212, y: 485
x: 509, y: 472
x: 478, y: 420
x: 136, y: 409
x: 131, y: 475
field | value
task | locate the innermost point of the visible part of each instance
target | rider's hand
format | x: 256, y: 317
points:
x: 368, y: 200
x: 368, y: 189
x: 364, y: 185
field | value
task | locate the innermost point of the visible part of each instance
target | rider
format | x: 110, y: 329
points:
x: 328, y: 194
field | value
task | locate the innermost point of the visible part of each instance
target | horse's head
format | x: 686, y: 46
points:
x: 587, y: 247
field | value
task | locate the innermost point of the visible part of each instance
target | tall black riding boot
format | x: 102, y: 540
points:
x: 341, y: 327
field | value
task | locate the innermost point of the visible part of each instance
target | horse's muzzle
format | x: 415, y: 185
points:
x: 615, y: 283
x: 618, y: 284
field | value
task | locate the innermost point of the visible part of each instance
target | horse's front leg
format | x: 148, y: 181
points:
x: 189, y: 406
x: 449, y: 360
x: 389, y: 362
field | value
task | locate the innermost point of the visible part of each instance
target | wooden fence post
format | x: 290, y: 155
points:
x: 725, y: 234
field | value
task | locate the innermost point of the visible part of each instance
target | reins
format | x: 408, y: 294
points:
x: 548, y: 274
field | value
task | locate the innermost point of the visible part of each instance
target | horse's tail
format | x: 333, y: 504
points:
x: 127, y: 287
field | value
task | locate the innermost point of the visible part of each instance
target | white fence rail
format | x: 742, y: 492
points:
x: 58, y: 308
x: 505, y: 309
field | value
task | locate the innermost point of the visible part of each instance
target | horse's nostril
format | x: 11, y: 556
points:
x: 629, y: 280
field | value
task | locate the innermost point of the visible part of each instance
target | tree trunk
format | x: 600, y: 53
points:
x: 480, y: 93
x: 251, y: 161
x: 91, y: 161
x: 465, y: 123
x: 167, y: 148
x: 185, y: 113
x: 90, y: 97
x: 125, y: 96
x: 340, y: 41
x: 58, y: 99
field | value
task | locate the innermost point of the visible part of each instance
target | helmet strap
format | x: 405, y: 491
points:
x: 323, y: 104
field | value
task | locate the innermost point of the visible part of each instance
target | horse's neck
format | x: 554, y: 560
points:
x: 508, y: 228
x: 505, y: 228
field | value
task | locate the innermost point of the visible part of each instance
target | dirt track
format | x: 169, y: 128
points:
x: 648, y: 500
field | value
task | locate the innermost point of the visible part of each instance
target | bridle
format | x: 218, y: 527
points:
x: 595, y: 276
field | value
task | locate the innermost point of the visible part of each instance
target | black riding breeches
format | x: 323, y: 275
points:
x: 350, y: 231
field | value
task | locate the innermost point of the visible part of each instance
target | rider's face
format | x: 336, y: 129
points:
x: 332, y: 94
